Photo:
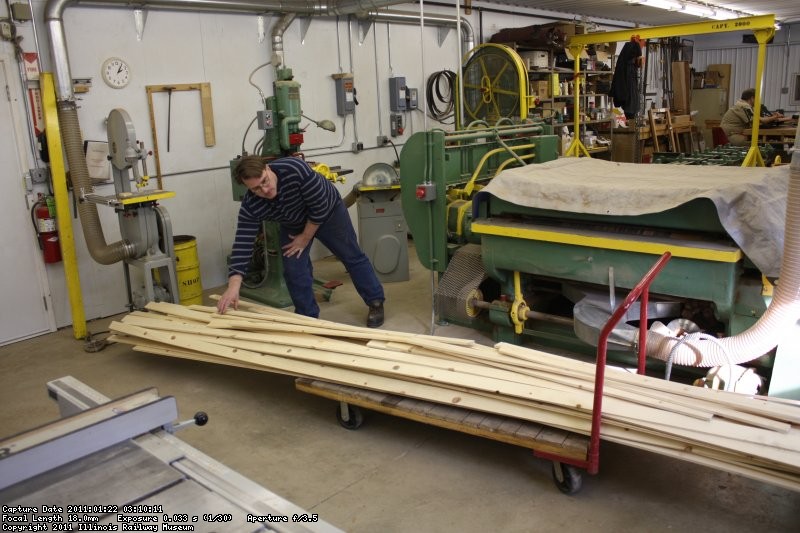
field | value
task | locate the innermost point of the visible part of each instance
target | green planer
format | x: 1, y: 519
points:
x: 536, y: 248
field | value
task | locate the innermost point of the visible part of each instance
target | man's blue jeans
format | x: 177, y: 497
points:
x: 338, y: 235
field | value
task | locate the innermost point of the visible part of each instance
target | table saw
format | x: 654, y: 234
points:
x: 116, y: 465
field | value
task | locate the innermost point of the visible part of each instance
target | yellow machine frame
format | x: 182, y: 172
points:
x: 762, y: 26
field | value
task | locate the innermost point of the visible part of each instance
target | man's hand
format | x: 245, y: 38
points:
x: 296, y: 247
x: 230, y: 298
x: 300, y: 242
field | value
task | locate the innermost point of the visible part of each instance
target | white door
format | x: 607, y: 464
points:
x: 22, y: 295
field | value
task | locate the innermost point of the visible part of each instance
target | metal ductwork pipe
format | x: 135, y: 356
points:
x: 400, y: 17
x: 277, y: 38
x: 100, y: 251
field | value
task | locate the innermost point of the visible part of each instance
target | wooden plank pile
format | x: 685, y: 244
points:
x: 758, y: 437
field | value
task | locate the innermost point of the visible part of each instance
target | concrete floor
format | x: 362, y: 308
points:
x: 391, y: 475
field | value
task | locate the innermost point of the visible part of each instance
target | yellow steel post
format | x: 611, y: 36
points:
x: 576, y: 148
x: 66, y: 235
x: 753, y: 158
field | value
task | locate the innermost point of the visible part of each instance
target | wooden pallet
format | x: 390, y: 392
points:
x: 510, y: 430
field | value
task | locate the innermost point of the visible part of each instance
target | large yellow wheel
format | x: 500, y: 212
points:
x: 495, y: 84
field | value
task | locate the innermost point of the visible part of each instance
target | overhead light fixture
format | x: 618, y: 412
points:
x: 696, y: 9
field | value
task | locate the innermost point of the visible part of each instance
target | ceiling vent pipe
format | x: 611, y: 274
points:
x: 401, y: 17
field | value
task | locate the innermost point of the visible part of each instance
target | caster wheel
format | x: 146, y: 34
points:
x: 355, y: 417
x: 567, y: 478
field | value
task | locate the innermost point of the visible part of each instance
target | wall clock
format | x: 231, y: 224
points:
x: 116, y: 72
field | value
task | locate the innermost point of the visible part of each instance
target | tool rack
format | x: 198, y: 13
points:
x: 568, y: 451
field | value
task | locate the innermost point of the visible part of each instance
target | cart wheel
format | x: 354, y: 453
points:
x: 355, y: 417
x: 567, y: 478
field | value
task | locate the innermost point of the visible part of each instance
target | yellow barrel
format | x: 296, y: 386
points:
x: 187, y: 265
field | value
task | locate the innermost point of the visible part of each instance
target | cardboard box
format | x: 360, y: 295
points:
x: 536, y: 59
x: 681, y: 119
x: 567, y: 28
x: 719, y: 75
x: 541, y: 88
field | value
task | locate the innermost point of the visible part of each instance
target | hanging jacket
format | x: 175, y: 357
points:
x: 624, y: 84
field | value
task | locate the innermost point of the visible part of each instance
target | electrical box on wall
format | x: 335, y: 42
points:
x: 21, y: 12
x: 397, y: 93
x: 345, y: 93
x: 411, y: 98
x: 396, y: 124
x: 265, y: 120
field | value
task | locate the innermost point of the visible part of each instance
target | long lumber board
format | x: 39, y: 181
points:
x: 172, y: 347
x: 609, y: 433
x: 742, y: 444
x: 782, y: 428
x: 642, y: 397
x: 776, y: 446
x: 763, y: 406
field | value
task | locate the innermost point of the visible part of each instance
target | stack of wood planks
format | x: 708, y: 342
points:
x: 758, y: 437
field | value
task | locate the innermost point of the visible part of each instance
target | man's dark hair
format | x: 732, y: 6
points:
x: 249, y: 166
x: 747, y: 94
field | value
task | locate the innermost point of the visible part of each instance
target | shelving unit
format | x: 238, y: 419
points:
x: 557, y: 107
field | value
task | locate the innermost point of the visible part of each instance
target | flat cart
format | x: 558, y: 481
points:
x: 567, y: 451
x: 539, y: 438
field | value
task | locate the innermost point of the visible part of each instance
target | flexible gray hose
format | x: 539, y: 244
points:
x: 780, y: 317
x: 105, y: 254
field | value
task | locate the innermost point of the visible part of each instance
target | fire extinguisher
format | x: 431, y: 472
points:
x: 45, y: 223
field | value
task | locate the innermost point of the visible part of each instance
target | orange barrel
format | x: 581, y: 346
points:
x: 187, y: 266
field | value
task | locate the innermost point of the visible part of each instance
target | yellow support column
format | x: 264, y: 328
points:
x: 753, y: 158
x: 576, y: 148
x: 66, y: 235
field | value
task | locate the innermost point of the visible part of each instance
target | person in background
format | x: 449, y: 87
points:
x: 740, y: 117
x: 306, y: 206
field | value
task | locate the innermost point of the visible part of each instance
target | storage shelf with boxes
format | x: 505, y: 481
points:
x: 551, y: 77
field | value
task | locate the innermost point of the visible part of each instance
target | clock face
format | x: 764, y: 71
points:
x: 116, y: 72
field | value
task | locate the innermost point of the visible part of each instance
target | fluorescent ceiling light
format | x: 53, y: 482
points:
x: 697, y: 9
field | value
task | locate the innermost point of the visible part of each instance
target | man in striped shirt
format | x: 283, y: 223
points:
x: 306, y: 206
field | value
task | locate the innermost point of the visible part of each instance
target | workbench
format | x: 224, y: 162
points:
x: 624, y: 140
x: 783, y: 134
x: 108, y: 465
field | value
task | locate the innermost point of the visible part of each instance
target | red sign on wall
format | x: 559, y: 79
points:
x: 37, y: 114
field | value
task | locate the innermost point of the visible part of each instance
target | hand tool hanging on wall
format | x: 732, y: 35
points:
x: 205, y: 108
x: 169, y: 112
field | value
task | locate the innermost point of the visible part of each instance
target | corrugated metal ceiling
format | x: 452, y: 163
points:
x: 784, y: 10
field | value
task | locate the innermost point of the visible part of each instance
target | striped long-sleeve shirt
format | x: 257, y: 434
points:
x: 303, y: 195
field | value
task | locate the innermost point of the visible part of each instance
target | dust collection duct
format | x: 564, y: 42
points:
x: 701, y: 350
x: 101, y: 251
x: 780, y: 316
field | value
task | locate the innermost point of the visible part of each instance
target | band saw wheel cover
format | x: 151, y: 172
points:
x: 495, y: 84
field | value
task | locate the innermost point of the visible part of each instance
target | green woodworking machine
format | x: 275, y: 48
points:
x: 528, y: 273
